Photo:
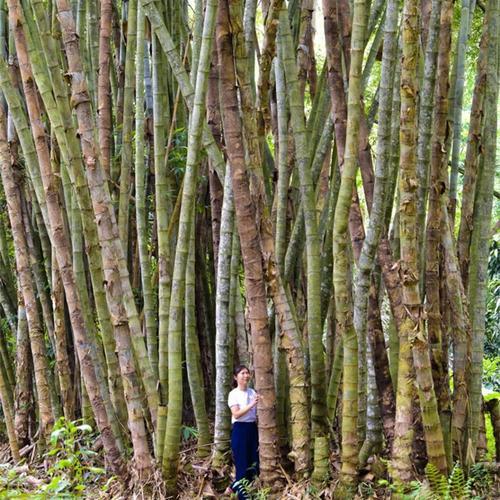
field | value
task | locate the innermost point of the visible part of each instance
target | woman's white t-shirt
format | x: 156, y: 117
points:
x: 241, y: 399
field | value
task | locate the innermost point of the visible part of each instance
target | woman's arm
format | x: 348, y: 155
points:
x: 238, y: 412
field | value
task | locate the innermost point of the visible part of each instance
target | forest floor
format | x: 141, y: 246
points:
x: 50, y: 479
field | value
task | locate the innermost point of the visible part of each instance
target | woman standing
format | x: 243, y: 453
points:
x: 244, y: 438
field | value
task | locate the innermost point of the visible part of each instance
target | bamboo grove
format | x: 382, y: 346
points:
x: 304, y: 187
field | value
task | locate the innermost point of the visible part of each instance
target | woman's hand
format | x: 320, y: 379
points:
x: 255, y: 400
x: 238, y: 412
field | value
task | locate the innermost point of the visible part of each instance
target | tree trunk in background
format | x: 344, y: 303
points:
x: 466, y: 11
x: 193, y: 362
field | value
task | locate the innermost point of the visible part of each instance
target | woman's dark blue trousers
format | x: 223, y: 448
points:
x: 244, y: 444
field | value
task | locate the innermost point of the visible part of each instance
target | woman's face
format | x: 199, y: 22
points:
x: 242, y: 377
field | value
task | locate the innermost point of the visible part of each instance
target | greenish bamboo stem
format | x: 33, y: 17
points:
x: 127, y: 127
x: 141, y: 176
x: 412, y: 324
x: 425, y: 128
x: 61, y: 119
x: 119, y: 292
x: 283, y: 171
x: 224, y: 343
x: 22, y: 391
x: 375, y: 227
x: 172, y: 434
x: 463, y: 35
x: 374, y: 49
x: 472, y: 156
x: 343, y: 301
x: 193, y: 363
x: 312, y: 242
x: 481, y: 232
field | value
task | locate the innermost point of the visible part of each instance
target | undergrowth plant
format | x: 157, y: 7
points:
x: 250, y: 491
x: 435, y: 486
x: 73, y: 461
x: 456, y: 486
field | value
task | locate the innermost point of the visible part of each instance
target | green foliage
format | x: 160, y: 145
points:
x: 456, y: 487
x: 456, y: 482
x: 438, y: 483
x: 438, y: 487
x: 74, y: 462
x: 491, y: 373
x: 189, y: 433
x: 405, y: 492
x: 492, y: 339
x: 11, y: 481
x: 177, y: 155
x: 251, y: 492
x: 480, y: 482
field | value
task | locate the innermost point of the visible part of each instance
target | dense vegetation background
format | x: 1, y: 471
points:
x: 308, y: 187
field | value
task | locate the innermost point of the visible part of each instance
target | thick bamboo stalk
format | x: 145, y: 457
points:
x: 412, y: 324
x: 119, y: 292
x: 193, y: 362
x: 481, y: 232
x: 141, y: 181
x: 172, y: 435
x: 127, y: 127
x: 472, y: 158
x: 37, y: 341
x: 59, y: 241
x: 306, y: 62
x: 104, y: 118
x: 434, y: 228
x: 424, y: 124
x: 343, y: 301
x: 318, y: 410
x: 376, y: 224
x: 224, y: 343
x: 61, y: 119
x: 251, y: 253
x: 23, y: 377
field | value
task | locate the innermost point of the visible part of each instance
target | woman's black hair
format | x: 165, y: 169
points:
x: 238, y: 369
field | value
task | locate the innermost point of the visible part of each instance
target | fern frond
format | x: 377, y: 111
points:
x: 456, y: 484
x: 437, y: 482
